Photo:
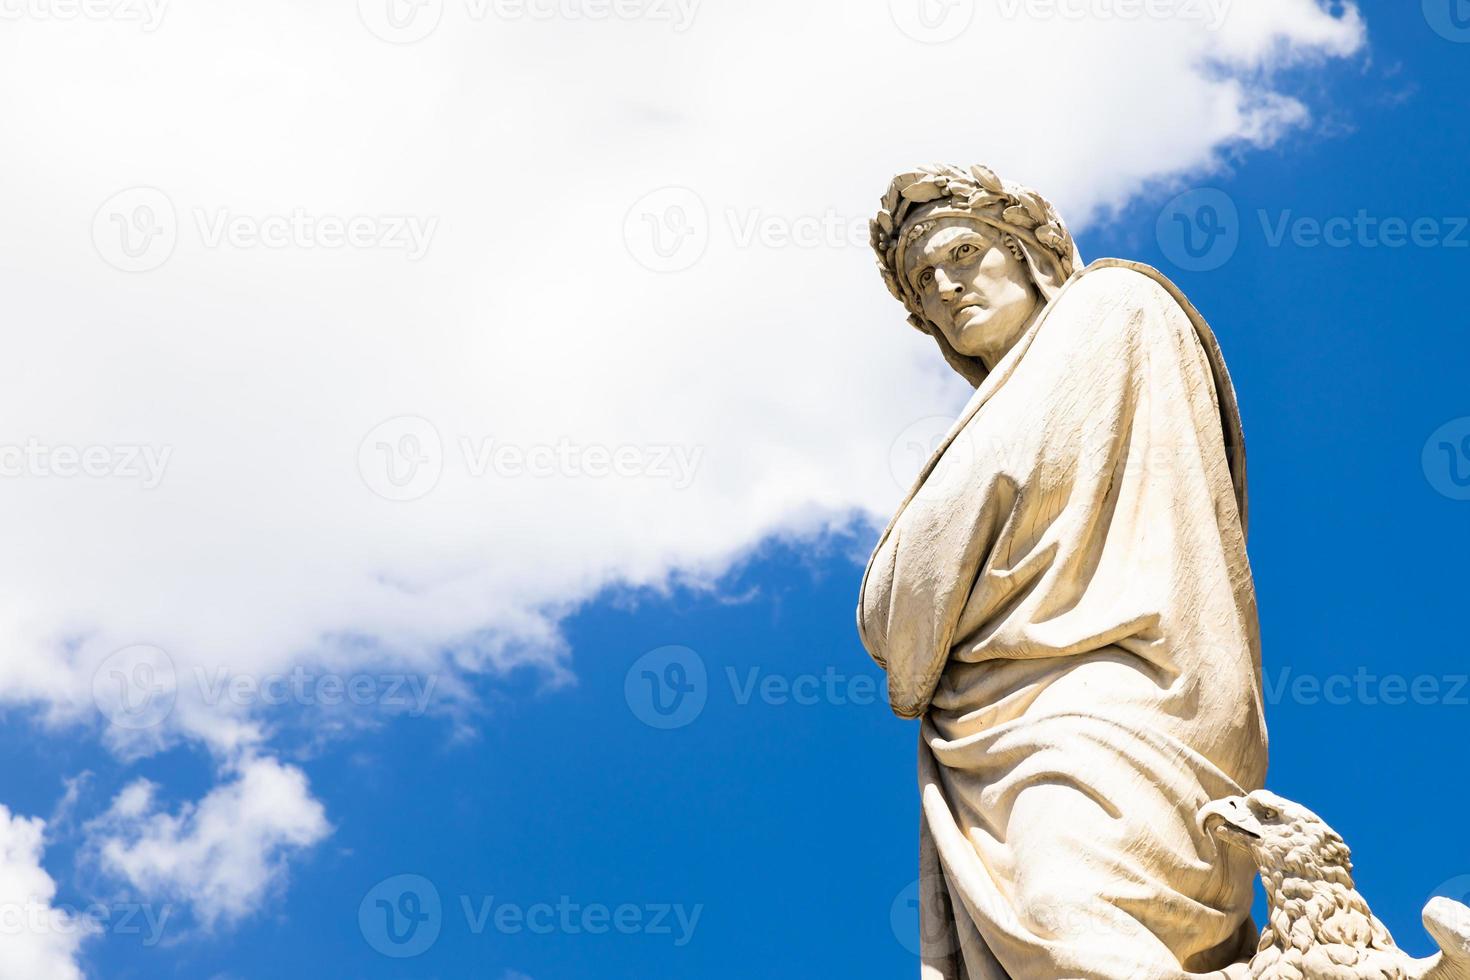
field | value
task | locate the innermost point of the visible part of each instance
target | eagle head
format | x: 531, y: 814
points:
x: 1318, y: 925
x: 1280, y: 835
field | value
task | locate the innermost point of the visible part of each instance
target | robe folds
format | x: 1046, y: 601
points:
x: 1065, y: 601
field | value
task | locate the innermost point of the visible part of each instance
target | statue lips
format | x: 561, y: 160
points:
x: 968, y: 312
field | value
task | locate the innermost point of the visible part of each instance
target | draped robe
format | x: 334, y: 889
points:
x: 1065, y: 601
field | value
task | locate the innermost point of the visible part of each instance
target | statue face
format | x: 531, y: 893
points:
x: 978, y: 294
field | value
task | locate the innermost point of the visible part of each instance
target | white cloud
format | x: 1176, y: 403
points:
x: 252, y: 375
x: 227, y: 395
x: 37, y: 939
x: 221, y: 857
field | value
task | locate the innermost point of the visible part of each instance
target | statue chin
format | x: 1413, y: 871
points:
x: 988, y: 335
x: 975, y: 340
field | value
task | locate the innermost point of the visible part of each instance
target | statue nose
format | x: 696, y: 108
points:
x: 948, y: 288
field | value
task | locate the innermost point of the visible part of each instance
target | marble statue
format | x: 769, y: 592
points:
x: 1064, y: 600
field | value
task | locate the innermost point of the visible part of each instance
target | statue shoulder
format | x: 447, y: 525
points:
x: 1131, y: 305
x: 1113, y: 295
x: 1123, y: 280
x: 1109, y: 304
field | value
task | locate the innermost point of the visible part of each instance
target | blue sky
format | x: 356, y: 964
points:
x: 566, y: 828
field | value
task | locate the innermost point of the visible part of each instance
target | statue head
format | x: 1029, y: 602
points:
x: 972, y: 258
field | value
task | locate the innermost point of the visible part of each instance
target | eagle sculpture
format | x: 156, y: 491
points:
x: 1319, y: 927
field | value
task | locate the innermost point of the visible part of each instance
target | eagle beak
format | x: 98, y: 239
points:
x: 1230, y: 821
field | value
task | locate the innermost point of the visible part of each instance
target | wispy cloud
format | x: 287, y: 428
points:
x: 220, y: 858
x: 37, y: 939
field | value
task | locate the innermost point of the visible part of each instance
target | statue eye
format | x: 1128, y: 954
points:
x: 926, y: 278
x: 964, y: 251
x: 1268, y: 814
